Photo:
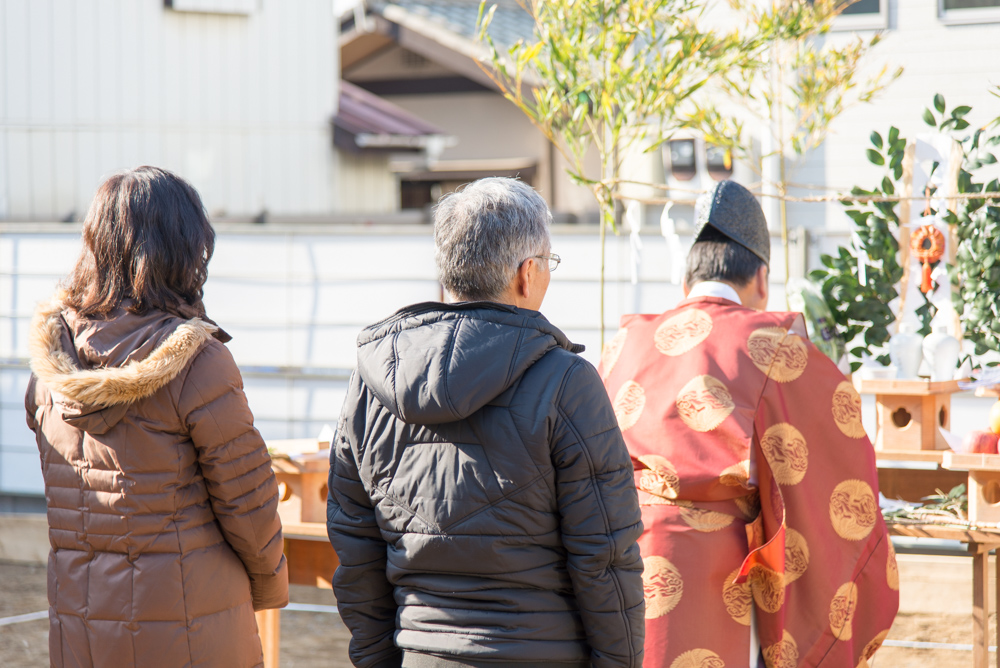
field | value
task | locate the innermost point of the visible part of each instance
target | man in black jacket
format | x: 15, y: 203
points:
x: 481, y: 496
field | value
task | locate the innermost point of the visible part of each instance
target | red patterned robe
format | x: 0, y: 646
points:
x: 698, y: 391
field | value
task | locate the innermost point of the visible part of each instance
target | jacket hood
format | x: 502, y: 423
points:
x: 431, y: 363
x: 96, y: 368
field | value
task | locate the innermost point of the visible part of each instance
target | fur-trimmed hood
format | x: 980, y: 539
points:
x: 96, y: 368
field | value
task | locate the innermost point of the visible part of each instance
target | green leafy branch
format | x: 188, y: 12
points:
x: 976, y: 272
x: 861, y: 308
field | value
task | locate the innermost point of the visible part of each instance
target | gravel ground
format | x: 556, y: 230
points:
x: 319, y: 640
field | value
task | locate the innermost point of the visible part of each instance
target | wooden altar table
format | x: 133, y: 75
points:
x: 311, y: 562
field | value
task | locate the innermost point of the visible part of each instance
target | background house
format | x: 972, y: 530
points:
x: 196, y: 86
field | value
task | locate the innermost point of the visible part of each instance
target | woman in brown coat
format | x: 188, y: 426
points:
x: 162, y: 506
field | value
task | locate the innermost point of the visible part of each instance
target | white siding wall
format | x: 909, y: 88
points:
x: 365, y: 184
x: 237, y: 104
x: 958, y: 61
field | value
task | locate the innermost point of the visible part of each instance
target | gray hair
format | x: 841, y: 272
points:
x: 483, y: 232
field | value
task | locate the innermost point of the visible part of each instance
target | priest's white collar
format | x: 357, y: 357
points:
x: 715, y: 289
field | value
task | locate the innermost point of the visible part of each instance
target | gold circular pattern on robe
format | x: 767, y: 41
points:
x: 796, y: 555
x: 891, y: 568
x: 698, y: 658
x: 847, y: 410
x: 737, y: 599
x: 662, y: 586
x: 704, y: 403
x: 737, y: 475
x: 785, y: 449
x: 703, y: 520
x: 782, y: 355
x: 767, y: 587
x: 628, y: 404
x: 853, y: 509
x: 680, y: 333
x: 782, y: 654
x: 869, y: 651
x: 647, y: 499
x: 612, y: 351
x: 842, y: 608
x: 660, y: 479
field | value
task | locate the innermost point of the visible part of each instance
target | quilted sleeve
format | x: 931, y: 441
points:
x: 30, y: 404
x: 600, y: 519
x: 364, y: 594
x: 237, y: 471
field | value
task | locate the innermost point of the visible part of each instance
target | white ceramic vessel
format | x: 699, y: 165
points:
x: 941, y: 350
x: 906, y: 350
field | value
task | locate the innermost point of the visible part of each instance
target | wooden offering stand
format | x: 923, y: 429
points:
x: 910, y: 413
x: 301, y: 467
x: 301, y: 470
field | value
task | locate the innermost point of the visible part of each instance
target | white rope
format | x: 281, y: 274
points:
x: 30, y: 617
x: 293, y: 607
x: 914, y: 644
x: 308, y: 607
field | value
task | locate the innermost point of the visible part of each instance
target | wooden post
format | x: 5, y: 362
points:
x: 904, y: 228
x: 996, y: 567
x: 269, y: 628
x: 980, y: 605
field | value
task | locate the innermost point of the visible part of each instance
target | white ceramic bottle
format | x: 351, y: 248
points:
x: 941, y: 350
x: 906, y: 350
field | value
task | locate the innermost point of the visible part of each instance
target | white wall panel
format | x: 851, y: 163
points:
x: 45, y: 254
x: 110, y: 82
x: 64, y: 167
x: 40, y: 60
x: 15, y: 46
x: 132, y: 57
x: 18, y: 159
x: 88, y: 174
x: 4, y: 170
x: 151, y: 76
x: 295, y: 299
x: 21, y: 472
x: 41, y: 171
x: 236, y: 99
x: 3, y: 71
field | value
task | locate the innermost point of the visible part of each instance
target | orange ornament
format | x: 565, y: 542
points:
x: 927, y: 245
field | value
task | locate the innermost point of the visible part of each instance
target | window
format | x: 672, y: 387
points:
x: 862, y: 7
x: 682, y: 164
x: 969, y: 11
x: 720, y: 162
x: 863, y: 15
x: 212, y: 6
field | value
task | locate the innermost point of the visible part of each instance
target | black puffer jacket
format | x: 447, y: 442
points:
x: 481, y: 497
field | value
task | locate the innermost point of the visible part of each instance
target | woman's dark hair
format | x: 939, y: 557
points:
x: 146, y: 239
x: 716, y: 257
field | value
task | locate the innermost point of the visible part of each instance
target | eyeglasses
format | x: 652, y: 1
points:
x: 553, y: 259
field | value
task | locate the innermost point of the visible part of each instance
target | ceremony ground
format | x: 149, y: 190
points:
x: 935, y: 607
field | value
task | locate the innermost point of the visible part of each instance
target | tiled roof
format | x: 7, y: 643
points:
x: 510, y: 22
x: 363, y: 117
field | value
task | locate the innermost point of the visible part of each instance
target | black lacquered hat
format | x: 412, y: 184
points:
x: 734, y: 211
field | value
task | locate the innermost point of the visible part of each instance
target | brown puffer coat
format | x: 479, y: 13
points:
x: 162, y: 506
